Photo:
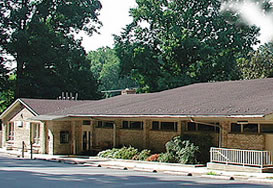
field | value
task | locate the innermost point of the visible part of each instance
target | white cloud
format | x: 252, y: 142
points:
x: 114, y: 15
x: 253, y: 14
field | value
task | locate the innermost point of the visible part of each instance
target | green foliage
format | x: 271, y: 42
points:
x: 38, y: 34
x: 258, y: 64
x: 204, y: 142
x: 105, y: 66
x: 122, y: 153
x: 144, y: 154
x: 174, y: 43
x: 183, y: 151
x: 167, y: 158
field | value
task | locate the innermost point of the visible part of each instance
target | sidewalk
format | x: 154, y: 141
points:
x: 168, y: 168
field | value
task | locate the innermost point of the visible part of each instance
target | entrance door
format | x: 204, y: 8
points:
x: 84, y: 141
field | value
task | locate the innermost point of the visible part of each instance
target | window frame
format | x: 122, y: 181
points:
x: 36, y: 132
x: 102, y: 124
x: 159, y: 126
x: 11, y: 132
x: 64, y: 137
x: 197, y: 127
x: 130, y: 125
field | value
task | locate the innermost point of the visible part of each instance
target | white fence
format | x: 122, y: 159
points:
x: 241, y: 157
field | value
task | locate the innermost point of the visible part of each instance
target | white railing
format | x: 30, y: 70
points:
x: 241, y: 157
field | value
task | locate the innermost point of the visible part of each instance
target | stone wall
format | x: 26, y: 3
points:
x: 61, y: 148
x: 246, y: 141
x: 158, y: 139
x: 131, y: 138
x: 104, y: 137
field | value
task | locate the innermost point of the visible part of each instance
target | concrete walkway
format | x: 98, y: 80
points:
x: 170, y: 168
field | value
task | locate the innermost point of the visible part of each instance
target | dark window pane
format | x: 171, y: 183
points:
x: 253, y: 128
x: 209, y: 128
x: 155, y: 125
x: 267, y: 128
x: 125, y: 125
x: 64, y: 137
x: 108, y: 124
x: 169, y: 126
x: 235, y: 128
x: 191, y: 126
x: 86, y: 122
x: 100, y: 124
x: 136, y: 125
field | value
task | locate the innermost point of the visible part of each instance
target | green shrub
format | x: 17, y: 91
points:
x: 183, y: 151
x: 108, y: 153
x: 125, y: 153
x: 144, y: 154
x: 166, y: 158
x: 204, y: 142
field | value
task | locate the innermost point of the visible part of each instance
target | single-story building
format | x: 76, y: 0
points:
x: 238, y: 114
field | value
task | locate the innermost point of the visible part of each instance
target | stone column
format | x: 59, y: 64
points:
x: 93, y: 134
x: 225, y: 128
x: 73, y: 137
x: 4, y: 134
x: 116, y: 132
x: 51, y: 147
x: 43, y: 138
x: 146, y: 129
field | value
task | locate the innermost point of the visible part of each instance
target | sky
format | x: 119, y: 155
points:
x: 115, y: 15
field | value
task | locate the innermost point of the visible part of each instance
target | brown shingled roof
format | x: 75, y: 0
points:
x: 44, y: 106
x: 248, y: 97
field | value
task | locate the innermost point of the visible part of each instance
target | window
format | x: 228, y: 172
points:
x: 132, y: 125
x: 169, y: 126
x: 250, y: 128
x: 64, y: 137
x: 155, y: 125
x: 165, y: 126
x: 192, y: 126
x: 105, y: 124
x: 246, y: 128
x: 266, y: 128
x: 86, y: 122
x: 11, y: 131
x: 36, y: 132
x: 209, y: 127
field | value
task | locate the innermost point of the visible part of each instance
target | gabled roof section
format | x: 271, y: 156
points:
x: 43, y: 106
x: 228, y: 98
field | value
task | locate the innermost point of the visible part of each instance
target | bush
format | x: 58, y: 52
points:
x: 107, y: 153
x: 123, y: 153
x: 183, y: 151
x: 204, y: 142
x: 166, y: 158
x: 153, y: 157
x: 144, y: 154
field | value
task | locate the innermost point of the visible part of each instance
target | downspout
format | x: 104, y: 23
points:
x: 209, y: 124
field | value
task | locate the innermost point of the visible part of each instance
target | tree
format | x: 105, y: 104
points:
x: 105, y: 66
x: 173, y: 43
x: 258, y: 64
x: 39, y: 35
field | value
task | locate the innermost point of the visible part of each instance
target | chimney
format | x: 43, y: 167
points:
x: 128, y: 91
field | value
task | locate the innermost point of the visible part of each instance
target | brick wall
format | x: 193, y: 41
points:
x: 131, y: 138
x: 104, y: 137
x: 158, y: 139
x: 246, y: 141
x: 61, y: 148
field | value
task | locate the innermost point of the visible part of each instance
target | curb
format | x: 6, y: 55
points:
x: 218, y: 177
